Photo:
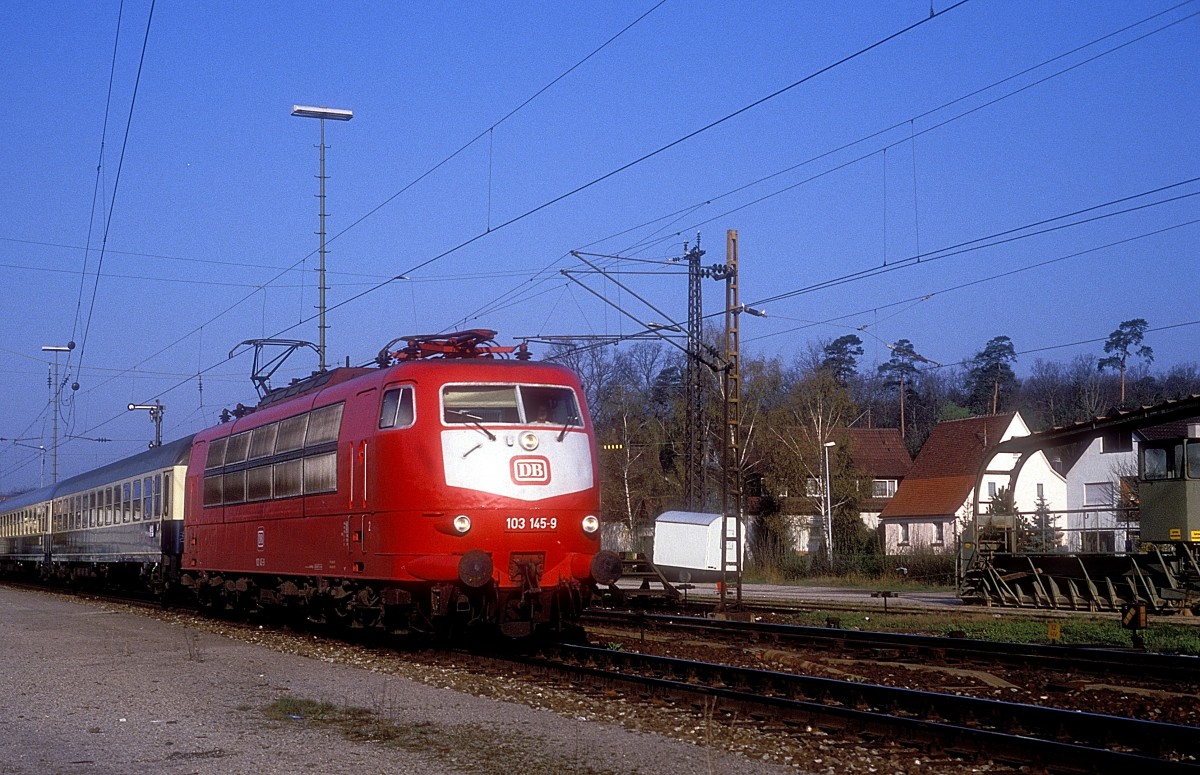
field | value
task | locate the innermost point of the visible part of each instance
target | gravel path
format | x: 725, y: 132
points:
x: 88, y: 689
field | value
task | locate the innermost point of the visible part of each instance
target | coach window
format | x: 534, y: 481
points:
x: 110, y: 499
x: 136, y: 500
x: 126, y: 502
x: 262, y: 441
x: 397, y: 411
x: 324, y: 424
x: 166, y: 489
x: 148, y: 498
x: 158, y: 512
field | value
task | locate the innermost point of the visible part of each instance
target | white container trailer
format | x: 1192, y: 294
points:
x: 690, y: 541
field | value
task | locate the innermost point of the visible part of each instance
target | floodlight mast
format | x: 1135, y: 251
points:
x: 333, y: 114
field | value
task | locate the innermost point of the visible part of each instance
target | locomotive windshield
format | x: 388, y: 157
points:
x: 510, y: 404
x: 1171, y: 460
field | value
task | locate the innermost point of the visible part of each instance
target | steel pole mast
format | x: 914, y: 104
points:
x: 694, y: 457
x: 54, y: 404
x: 321, y: 270
x: 731, y: 456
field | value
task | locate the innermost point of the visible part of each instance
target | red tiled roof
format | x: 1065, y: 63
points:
x: 944, y: 472
x: 879, y: 452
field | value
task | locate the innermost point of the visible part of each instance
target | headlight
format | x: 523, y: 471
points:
x: 462, y: 523
x: 529, y: 441
x: 590, y: 524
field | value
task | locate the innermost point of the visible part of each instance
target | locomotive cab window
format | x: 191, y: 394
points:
x: 1162, y: 462
x: 553, y: 405
x: 467, y: 404
x: 397, y: 409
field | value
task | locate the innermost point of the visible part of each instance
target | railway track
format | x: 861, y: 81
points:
x: 1054, y: 740
x: 1172, y: 669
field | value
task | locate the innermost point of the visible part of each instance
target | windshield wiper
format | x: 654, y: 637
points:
x: 570, y: 421
x: 475, y: 420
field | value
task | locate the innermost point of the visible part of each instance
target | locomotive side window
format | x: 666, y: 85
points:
x: 237, y: 448
x: 468, y: 404
x: 320, y: 473
x: 262, y: 441
x: 258, y: 483
x: 289, y: 479
x: 397, y: 411
x: 324, y: 424
x: 212, y: 491
x: 233, y: 487
x: 216, y: 454
x: 1162, y: 462
x: 555, y: 405
x: 291, y: 433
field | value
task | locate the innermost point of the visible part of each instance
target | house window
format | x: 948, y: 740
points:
x: 904, y: 534
x: 939, y: 532
x: 1120, y: 441
x: 812, y: 488
x: 991, y: 489
x: 1098, y: 494
x: 1041, y: 490
x: 883, y: 488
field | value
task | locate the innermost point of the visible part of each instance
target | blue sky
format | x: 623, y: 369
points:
x: 204, y: 196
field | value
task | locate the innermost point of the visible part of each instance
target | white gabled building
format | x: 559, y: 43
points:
x: 934, y: 500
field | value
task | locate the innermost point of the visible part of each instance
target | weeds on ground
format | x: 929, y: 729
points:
x: 477, y: 749
x: 1162, y: 636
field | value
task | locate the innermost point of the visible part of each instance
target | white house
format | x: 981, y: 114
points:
x: 935, y: 500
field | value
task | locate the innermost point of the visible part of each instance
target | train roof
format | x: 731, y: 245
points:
x: 173, y: 453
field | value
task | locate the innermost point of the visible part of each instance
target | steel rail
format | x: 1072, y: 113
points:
x: 1062, y: 741
x: 1175, y: 668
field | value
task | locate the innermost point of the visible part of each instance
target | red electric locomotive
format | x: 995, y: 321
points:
x: 447, y: 489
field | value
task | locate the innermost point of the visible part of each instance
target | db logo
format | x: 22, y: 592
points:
x: 530, y: 470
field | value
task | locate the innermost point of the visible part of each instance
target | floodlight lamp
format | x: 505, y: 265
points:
x: 334, y: 114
